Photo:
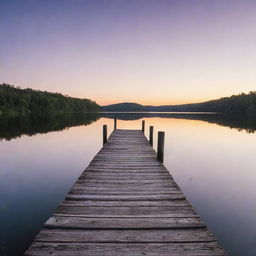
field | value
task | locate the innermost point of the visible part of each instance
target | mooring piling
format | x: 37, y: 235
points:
x: 104, y: 134
x: 160, y: 147
x: 115, y: 123
x: 143, y: 126
x: 151, y: 129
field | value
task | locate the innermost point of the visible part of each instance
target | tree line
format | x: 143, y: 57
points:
x: 14, y: 100
x: 242, y: 104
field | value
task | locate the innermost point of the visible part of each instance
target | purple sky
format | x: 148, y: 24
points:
x: 145, y: 51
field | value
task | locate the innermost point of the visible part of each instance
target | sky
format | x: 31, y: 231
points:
x: 152, y: 52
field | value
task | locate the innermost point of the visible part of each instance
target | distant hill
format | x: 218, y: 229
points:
x: 242, y: 104
x: 26, y: 101
x: 123, y: 107
x: 134, y: 107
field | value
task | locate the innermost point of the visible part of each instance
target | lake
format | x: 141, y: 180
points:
x: 211, y: 157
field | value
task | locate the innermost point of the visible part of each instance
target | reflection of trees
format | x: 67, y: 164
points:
x: 233, y: 121
x: 15, y: 126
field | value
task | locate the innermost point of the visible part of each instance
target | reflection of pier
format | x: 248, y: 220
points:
x: 125, y: 203
x: 240, y: 122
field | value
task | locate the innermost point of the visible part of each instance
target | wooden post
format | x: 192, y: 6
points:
x: 104, y: 134
x: 160, y: 147
x: 143, y: 126
x: 114, y: 123
x: 151, y: 128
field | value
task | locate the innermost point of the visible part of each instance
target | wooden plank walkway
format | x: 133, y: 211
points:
x: 125, y: 203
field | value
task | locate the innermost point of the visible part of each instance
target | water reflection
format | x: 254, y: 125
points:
x: 214, y: 166
x: 14, y: 126
x: 238, y: 122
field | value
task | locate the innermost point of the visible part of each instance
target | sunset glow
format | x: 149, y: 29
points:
x: 149, y: 52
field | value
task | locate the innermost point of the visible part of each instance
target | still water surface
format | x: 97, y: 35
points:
x: 214, y: 165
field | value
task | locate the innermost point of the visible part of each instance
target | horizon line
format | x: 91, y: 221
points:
x: 125, y: 102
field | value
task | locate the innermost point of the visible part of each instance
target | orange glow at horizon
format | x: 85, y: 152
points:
x: 151, y: 100
x: 147, y: 52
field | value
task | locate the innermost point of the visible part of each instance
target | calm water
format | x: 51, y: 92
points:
x: 214, y: 165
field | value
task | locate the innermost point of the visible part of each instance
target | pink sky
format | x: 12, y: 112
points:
x: 150, y: 52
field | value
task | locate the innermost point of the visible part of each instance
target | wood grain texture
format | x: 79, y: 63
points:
x: 125, y: 203
x: 124, y: 236
x: 122, y: 249
x: 99, y: 197
x: 144, y: 223
x: 159, y: 203
x: 182, y: 211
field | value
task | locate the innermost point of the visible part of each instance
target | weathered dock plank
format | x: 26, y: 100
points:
x: 125, y: 249
x: 63, y: 222
x: 125, y: 236
x: 125, y: 203
x: 176, y: 196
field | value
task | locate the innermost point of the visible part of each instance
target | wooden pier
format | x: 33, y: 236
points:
x: 125, y: 203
